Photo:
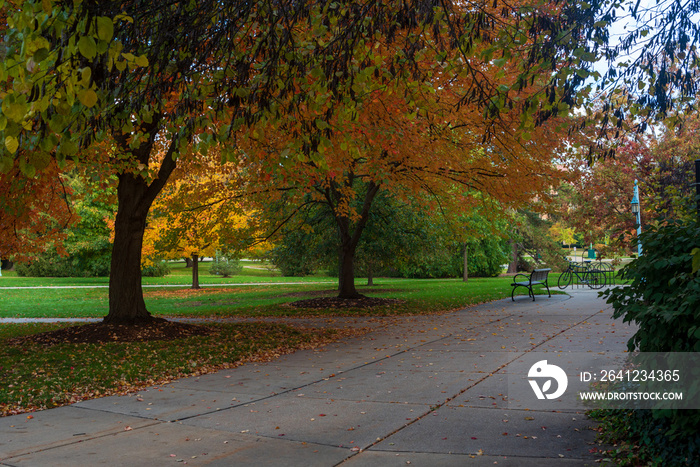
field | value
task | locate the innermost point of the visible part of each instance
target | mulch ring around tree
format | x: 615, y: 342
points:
x: 335, y: 302
x: 96, y: 333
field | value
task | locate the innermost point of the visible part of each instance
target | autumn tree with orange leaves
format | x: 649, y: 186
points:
x: 35, y: 212
x: 416, y: 138
x: 450, y: 153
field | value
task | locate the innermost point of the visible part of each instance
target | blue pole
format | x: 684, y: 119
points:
x: 635, y: 199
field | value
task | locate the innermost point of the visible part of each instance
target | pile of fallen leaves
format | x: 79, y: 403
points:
x: 99, y: 333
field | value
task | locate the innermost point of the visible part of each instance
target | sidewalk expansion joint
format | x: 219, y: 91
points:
x: 62, y: 444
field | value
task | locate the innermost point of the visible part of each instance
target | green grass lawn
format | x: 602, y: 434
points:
x: 417, y: 295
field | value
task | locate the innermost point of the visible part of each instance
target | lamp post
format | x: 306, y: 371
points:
x: 635, y: 210
x: 697, y: 186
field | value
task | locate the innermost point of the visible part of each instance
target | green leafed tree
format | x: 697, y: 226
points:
x: 401, y: 238
x: 397, y: 234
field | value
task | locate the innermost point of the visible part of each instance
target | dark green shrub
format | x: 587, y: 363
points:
x: 298, y: 254
x: 663, y: 296
x: 157, y: 269
x: 226, y: 267
x: 91, y: 258
x: 85, y: 259
x: 641, y: 438
x: 663, y: 299
x: 47, y: 265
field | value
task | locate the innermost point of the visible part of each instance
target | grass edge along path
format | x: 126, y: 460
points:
x: 37, y: 377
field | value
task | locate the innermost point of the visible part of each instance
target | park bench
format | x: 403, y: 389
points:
x: 537, y: 277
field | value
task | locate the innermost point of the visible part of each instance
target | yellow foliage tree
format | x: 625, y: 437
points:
x: 199, y: 213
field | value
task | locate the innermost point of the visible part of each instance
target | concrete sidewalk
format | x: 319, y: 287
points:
x: 426, y: 390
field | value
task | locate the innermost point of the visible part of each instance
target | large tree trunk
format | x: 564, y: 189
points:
x: 134, y: 197
x: 513, y: 265
x: 370, y: 274
x: 346, y: 278
x: 195, y: 271
x: 126, y: 305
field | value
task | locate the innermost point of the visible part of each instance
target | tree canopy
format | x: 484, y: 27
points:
x: 150, y: 80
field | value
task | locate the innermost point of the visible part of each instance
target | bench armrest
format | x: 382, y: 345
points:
x: 521, y: 274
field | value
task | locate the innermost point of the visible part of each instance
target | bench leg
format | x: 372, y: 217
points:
x: 515, y: 286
